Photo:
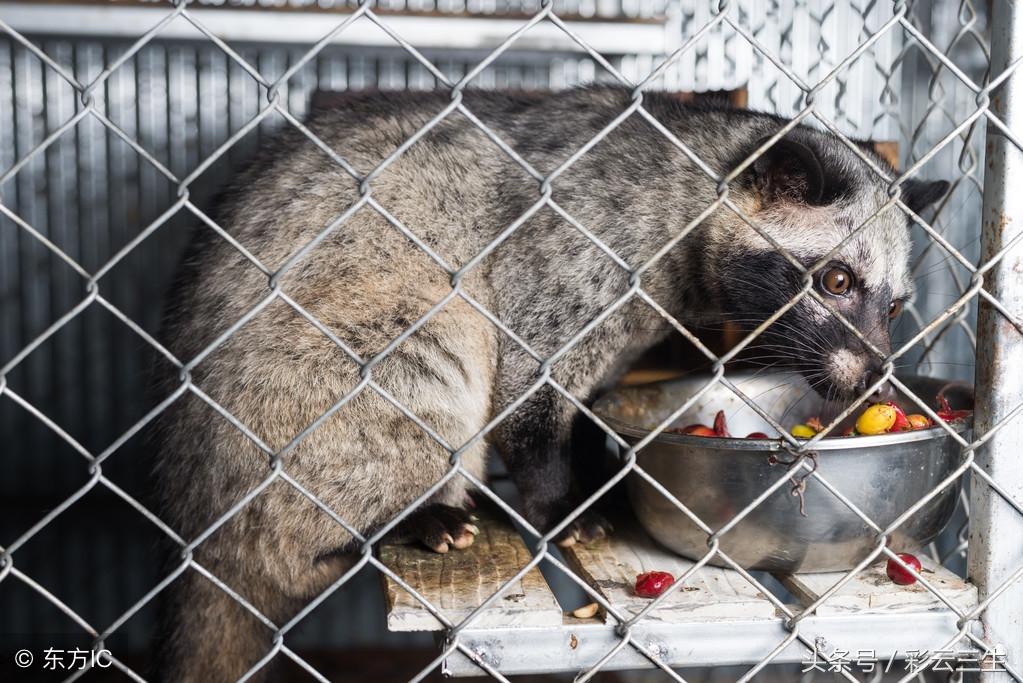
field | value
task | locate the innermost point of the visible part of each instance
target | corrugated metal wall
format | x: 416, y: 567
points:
x: 90, y: 194
x: 617, y: 9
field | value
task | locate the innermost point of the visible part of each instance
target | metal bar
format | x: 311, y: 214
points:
x: 639, y: 640
x: 266, y: 26
x: 578, y: 646
x: 995, y: 552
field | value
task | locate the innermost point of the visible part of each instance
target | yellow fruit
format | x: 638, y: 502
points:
x: 877, y: 419
x: 803, y: 431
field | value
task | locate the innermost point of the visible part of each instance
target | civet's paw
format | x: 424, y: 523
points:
x: 441, y: 527
x: 588, y: 527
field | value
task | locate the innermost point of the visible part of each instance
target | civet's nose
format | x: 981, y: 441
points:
x: 883, y: 394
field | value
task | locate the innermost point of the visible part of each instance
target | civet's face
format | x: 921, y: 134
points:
x: 810, y: 208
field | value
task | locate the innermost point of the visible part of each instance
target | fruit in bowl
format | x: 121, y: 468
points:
x: 884, y: 418
x: 877, y: 418
x: 717, y: 477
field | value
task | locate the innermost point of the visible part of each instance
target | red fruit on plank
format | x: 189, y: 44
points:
x: 699, y: 430
x: 652, y: 584
x: 720, y: 427
x: 815, y: 424
x: 900, y: 575
x: 757, y: 435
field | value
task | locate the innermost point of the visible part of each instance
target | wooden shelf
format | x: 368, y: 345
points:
x: 611, y: 566
x: 716, y: 618
x: 459, y: 581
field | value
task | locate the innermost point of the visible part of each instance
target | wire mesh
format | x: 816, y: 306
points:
x: 961, y: 127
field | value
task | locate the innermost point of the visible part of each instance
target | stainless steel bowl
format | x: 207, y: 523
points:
x: 716, y: 478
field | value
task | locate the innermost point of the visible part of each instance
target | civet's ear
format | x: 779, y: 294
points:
x: 789, y: 171
x: 919, y: 194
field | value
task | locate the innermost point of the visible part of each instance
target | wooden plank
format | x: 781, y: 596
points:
x: 459, y: 581
x: 648, y: 375
x: 611, y: 566
x: 888, y: 150
x: 737, y: 98
x: 871, y: 591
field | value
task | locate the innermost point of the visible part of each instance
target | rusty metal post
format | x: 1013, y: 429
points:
x: 996, y: 527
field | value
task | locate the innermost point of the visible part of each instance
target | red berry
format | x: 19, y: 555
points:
x: 652, y: 584
x: 901, y: 576
x: 699, y: 430
x: 757, y: 435
x: 901, y: 423
x: 946, y: 413
x: 720, y: 427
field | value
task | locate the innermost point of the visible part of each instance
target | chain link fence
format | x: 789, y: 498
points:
x: 940, y: 119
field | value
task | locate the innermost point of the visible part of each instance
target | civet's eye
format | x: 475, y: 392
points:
x: 837, y: 280
x: 894, y: 308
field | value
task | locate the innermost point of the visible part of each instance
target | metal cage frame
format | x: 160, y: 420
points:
x: 990, y: 458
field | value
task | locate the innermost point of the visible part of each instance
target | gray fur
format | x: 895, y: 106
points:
x: 367, y: 283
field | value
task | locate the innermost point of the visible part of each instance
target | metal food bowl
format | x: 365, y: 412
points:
x: 717, y: 477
